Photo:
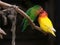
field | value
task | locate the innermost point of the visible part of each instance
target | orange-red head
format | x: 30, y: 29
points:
x: 43, y: 13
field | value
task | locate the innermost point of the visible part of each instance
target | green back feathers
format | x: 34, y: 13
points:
x: 32, y: 13
x: 33, y: 9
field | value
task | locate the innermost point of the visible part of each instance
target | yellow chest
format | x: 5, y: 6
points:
x: 45, y: 24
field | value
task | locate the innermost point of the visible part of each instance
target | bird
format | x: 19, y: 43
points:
x: 32, y: 12
x: 45, y: 23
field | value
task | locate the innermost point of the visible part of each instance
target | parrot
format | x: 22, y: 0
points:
x: 32, y: 12
x: 45, y: 23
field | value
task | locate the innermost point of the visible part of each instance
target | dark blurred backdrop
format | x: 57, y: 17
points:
x: 33, y: 37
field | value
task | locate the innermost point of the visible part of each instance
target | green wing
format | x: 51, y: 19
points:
x: 31, y: 12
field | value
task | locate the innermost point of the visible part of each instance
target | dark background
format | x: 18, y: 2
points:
x: 33, y: 37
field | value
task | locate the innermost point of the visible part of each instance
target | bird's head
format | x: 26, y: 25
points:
x: 42, y: 13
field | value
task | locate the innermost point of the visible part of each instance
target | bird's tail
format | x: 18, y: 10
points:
x: 24, y: 27
x: 53, y: 29
x: 53, y: 33
x: 24, y: 24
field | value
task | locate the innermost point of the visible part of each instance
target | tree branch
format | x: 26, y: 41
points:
x: 3, y: 4
x: 2, y: 33
x: 13, y: 29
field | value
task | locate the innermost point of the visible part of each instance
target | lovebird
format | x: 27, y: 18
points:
x: 45, y: 23
x: 32, y: 12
